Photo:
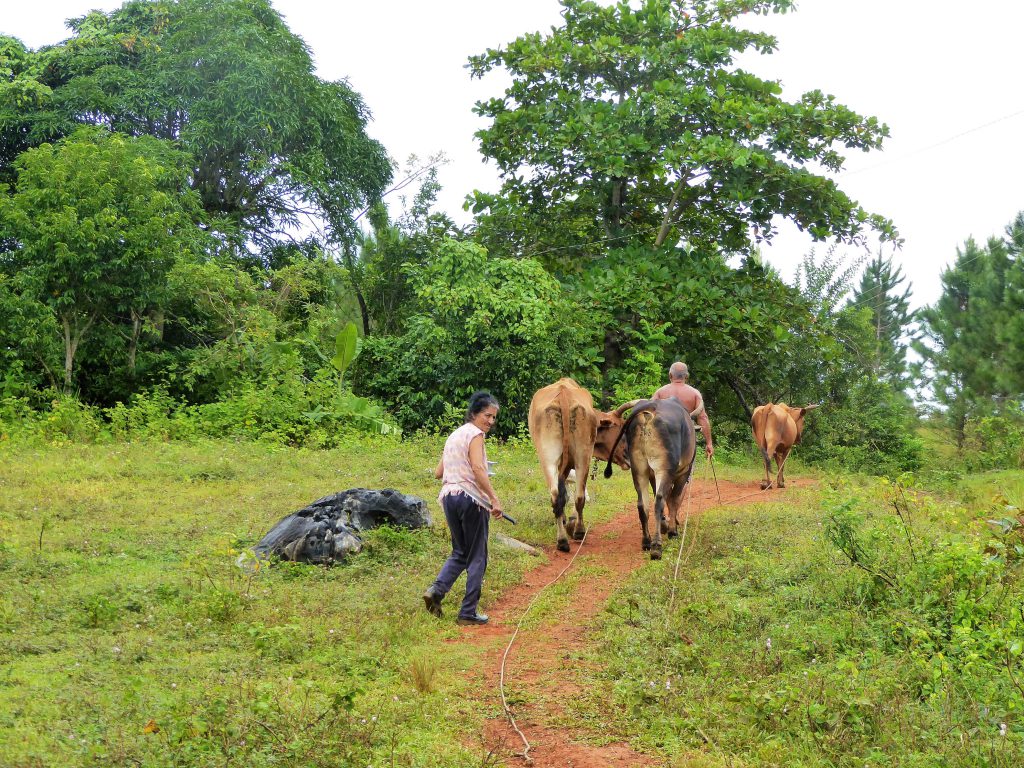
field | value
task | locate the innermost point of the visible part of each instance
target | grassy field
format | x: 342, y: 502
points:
x: 128, y: 636
x: 783, y: 653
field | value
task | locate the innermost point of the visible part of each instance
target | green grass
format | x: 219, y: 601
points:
x: 781, y: 653
x: 121, y: 606
x: 128, y: 636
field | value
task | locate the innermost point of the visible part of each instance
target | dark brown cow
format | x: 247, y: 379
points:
x: 659, y: 447
x: 567, y: 432
x: 777, y: 428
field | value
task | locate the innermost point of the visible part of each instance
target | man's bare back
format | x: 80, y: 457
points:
x: 691, y: 398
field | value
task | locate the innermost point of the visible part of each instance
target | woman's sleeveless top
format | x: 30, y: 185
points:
x: 458, y: 472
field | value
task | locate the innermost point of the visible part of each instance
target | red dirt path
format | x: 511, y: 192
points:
x: 536, y: 671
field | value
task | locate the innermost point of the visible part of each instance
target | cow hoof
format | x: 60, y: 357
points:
x: 570, y: 526
x: 579, y: 532
x: 656, y: 553
x: 645, y: 545
x: 764, y: 485
x: 673, y: 534
x: 664, y: 528
x: 782, y: 484
x: 563, y: 545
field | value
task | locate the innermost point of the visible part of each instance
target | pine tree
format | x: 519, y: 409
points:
x: 973, y: 353
x: 891, y: 319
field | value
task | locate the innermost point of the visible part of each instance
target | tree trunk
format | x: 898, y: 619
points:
x: 739, y: 396
x: 133, y: 341
x: 72, y: 340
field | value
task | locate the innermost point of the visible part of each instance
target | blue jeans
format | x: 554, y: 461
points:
x: 469, y: 523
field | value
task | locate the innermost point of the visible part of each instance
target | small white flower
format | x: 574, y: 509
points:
x: 174, y: 685
x: 116, y: 649
x: 395, y: 698
x: 768, y: 644
x: 1002, y: 729
x: 668, y: 685
x: 373, y: 719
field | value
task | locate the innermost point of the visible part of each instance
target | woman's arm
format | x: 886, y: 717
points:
x: 483, y: 482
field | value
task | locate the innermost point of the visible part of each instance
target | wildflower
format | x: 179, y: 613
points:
x: 768, y: 644
x: 116, y: 649
x: 1002, y: 729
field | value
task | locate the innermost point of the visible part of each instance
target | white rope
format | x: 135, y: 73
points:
x: 682, y: 536
x: 501, y: 681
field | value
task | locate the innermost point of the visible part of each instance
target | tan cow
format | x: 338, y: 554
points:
x: 567, y: 432
x: 777, y: 428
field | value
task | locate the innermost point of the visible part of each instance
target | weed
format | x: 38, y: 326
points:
x: 422, y: 670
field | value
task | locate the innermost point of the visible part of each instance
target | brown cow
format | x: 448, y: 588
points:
x: 567, y: 432
x: 777, y: 428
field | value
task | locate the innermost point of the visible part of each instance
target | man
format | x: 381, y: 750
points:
x: 689, y: 396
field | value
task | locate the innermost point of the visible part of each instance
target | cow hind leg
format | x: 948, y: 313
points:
x: 642, y: 505
x: 766, y: 483
x: 659, y: 516
x: 558, y: 507
x: 780, y: 458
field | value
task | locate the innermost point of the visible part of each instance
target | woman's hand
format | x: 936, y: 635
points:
x: 496, y: 508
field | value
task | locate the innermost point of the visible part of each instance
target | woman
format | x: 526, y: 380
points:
x: 466, y: 496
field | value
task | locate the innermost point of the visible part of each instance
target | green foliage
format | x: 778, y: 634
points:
x: 971, y: 343
x: 870, y: 430
x: 94, y: 225
x: 344, y: 350
x: 890, y: 318
x: 994, y: 442
x: 879, y: 633
x: 631, y: 123
x: 232, y: 86
x: 479, y: 323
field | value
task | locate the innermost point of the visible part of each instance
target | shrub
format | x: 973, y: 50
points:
x: 481, y: 323
x: 996, y: 441
x: 871, y: 431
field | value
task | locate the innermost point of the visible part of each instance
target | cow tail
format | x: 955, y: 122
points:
x: 563, y: 403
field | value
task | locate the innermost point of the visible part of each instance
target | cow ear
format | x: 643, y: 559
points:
x: 606, y: 421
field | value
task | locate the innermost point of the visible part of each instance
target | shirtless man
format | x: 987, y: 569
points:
x: 689, y: 396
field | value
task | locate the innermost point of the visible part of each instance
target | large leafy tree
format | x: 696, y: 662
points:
x: 274, y: 148
x: 94, y: 224
x: 633, y: 124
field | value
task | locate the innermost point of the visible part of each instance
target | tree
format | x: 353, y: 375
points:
x: 97, y: 220
x: 879, y: 293
x: 964, y: 333
x: 274, y: 148
x: 634, y: 126
x: 478, y: 322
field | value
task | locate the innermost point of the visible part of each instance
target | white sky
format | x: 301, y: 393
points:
x: 945, y: 77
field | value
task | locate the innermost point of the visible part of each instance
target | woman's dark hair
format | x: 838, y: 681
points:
x: 478, y: 401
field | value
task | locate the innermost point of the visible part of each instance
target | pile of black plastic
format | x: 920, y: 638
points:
x: 328, y: 529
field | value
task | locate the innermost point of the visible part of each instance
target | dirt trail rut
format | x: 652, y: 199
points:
x: 534, y: 672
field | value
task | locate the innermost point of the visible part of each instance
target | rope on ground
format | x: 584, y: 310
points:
x: 682, y: 536
x: 504, y: 658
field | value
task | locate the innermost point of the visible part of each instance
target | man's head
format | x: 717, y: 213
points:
x: 678, y: 372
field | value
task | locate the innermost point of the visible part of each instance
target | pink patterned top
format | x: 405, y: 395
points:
x: 458, y: 472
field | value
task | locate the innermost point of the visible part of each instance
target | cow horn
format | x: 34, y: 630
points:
x: 624, y: 407
x: 698, y: 410
x: 811, y: 407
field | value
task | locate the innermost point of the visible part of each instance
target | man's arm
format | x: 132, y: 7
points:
x: 705, y: 428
